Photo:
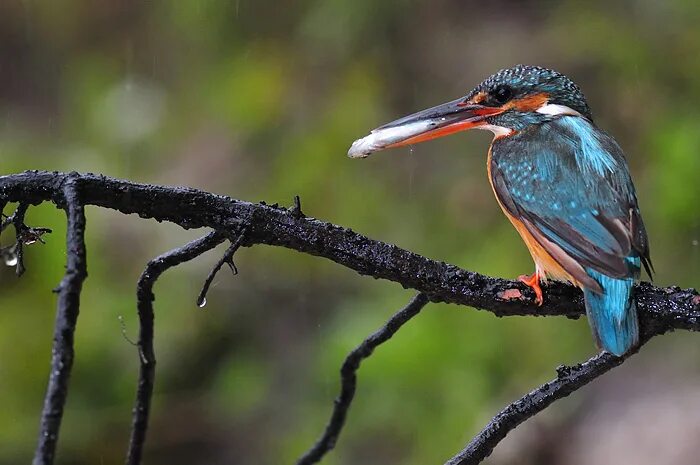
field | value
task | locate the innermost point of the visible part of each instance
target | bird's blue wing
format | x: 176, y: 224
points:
x: 569, y: 182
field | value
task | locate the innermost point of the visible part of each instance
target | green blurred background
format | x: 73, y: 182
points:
x: 260, y: 100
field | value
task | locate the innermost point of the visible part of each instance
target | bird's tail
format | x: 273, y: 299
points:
x: 612, y: 314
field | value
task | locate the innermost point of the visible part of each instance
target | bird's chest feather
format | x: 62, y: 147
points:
x: 562, y: 168
x: 546, y: 265
x: 545, y: 170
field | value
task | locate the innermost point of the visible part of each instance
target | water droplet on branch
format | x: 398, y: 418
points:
x: 11, y: 259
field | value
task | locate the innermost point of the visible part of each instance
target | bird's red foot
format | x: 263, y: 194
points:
x: 533, y: 281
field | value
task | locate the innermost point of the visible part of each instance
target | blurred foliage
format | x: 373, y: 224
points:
x: 260, y: 100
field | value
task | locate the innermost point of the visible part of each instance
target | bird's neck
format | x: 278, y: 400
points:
x: 507, y: 124
x: 512, y: 122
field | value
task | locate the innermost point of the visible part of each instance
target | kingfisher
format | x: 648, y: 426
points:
x: 562, y: 182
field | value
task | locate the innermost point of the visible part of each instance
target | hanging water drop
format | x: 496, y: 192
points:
x: 201, y: 303
x: 11, y: 260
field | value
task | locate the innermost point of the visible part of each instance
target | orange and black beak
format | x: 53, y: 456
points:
x: 448, y: 118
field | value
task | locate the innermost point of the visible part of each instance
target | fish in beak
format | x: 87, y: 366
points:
x: 442, y: 120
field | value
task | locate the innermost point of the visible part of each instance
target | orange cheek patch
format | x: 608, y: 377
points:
x: 529, y: 103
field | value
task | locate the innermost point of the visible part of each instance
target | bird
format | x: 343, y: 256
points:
x: 563, y: 183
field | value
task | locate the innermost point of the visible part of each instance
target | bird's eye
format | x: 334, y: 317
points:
x: 502, y: 94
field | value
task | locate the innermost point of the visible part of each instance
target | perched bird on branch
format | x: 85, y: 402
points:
x: 561, y: 181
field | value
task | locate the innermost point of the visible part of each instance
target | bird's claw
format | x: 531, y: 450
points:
x: 533, y: 282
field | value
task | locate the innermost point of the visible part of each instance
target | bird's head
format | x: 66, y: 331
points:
x: 507, y: 102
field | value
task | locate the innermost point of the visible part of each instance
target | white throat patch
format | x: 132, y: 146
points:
x: 555, y: 110
x: 498, y: 131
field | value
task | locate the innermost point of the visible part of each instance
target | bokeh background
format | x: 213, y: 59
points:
x: 260, y: 100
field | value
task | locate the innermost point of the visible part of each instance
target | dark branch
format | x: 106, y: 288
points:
x: 661, y: 309
x: 145, y: 298
x: 348, y: 378
x: 568, y: 380
x: 670, y: 308
x: 66, y: 319
x: 227, y: 259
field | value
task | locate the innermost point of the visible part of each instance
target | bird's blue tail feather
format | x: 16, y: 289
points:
x: 612, y: 315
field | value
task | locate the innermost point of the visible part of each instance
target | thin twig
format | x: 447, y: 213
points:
x: 13, y: 255
x: 66, y: 319
x: 568, y: 380
x: 18, y: 222
x: 348, y: 378
x: 296, y: 208
x: 227, y: 258
x: 145, y: 298
x: 122, y: 326
x: 3, y: 218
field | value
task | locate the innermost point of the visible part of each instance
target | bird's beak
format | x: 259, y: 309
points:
x: 442, y: 120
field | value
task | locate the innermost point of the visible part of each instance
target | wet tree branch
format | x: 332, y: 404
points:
x: 661, y: 309
x: 671, y: 308
x: 226, y: 259
x: 66, y: 319
x: 145, y: 298
x: 568, y: 380
x: 348, y: 378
